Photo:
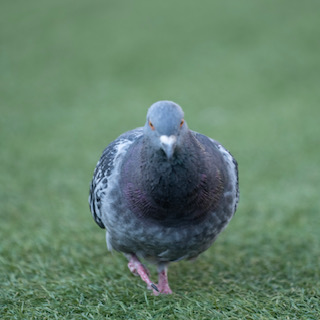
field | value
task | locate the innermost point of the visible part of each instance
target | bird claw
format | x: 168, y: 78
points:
x: 155, y: 287
x: 158, y: 291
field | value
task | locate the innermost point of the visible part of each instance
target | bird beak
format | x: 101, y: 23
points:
x: 168, y: 144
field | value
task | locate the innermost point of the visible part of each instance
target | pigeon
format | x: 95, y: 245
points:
x: 163, y: 193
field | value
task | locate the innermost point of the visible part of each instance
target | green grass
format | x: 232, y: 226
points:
x: 76, y: 74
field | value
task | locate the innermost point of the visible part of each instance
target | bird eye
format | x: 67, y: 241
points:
x: 151, y: 125
x: 181, y: 123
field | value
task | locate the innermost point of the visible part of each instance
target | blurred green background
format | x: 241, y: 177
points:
x: 76, y: 74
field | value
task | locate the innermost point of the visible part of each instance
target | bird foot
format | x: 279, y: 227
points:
x: 138, y: 269
x: 165, y: 290
x: 163, y: 284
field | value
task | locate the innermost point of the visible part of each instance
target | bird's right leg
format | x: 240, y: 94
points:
x: 138, y: 269
x: 163, y: 284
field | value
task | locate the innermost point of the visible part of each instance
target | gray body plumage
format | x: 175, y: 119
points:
x: 163, y: 208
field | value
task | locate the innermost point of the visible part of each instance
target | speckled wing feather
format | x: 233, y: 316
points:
x: 115, y: 151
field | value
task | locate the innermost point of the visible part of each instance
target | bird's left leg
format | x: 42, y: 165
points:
x: 137, y: 268
x: 163, y: 284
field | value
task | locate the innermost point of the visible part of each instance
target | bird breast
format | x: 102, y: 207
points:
x: 169, y: 193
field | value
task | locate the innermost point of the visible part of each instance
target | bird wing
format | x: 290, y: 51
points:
x: 113, y: 152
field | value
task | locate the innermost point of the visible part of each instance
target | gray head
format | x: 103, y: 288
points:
x: 165, y: 126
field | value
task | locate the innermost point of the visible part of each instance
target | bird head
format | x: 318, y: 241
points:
x: 165, y: 127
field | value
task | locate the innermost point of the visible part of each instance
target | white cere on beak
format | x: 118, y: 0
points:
x: 168, y: 144
x: 169, y: 140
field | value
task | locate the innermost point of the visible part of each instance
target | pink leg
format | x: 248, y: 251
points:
x: 137, y: 268
x: 163, y: 284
